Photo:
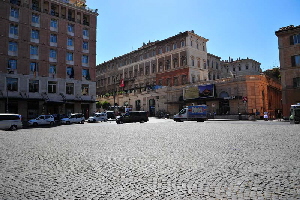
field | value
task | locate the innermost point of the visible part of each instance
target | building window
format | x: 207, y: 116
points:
x: 70, y: 72
x: 70, y: 88
x: 296, y: 82
x: 86, y: 74
x: 197, y: 46
x: 69, y: 56
x: 52, y: 86
x: 14, y: 12
x: 184, y: 79
x: 53, y: 23
x: 160, y: 51
x: 53, y: 38
x: 167, y: 48
x: 191, y: 43
x: 52, y: 69
x: 207, y: 63
x: 85, y: 89
x: 174, y: 46
x: 13, y: 47
x: 233, y: 69
x: 35, y: 19
x: 71, y: 28
x: 296, y: 61
x: 13, y: 30
x: 12, y: 84
x: 53, y: 54
x: 33, y: 67
x: 33, y: 85
x: 295, y: 39
x: 160, y: 82
x: 85, y: 33
x: 169, y: 83
x: 193, y: 62
x: 240, y: 68
x: 35, y: 34
x: 34, y: 50
x: 175, y: 80
x: 70, y: 42
x: 182, y: 43
x: 12, y: 64
x: 217, y: 65
x: 153, y: 53
x: 247, y: 67
x: 85, y: 59
x: 85, y: 46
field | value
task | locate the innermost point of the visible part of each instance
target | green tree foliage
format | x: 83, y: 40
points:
x: 98, y: 104
x: 105, y: 105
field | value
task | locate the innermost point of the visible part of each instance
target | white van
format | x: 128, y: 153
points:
x: 98, y: 117
x: 10, y: 121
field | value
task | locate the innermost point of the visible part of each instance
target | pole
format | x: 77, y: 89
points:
x: 114, y: 95
x: 7, y: 99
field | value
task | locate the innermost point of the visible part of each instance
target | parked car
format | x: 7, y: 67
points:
x: 73, y: 118
x: 110, y: 115
x: 42, y: 120
x: 133, y: 116
x: 10, y: 121
x: 96, y: 117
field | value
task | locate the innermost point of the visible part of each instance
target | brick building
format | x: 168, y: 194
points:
x: 47, y: 56
x: 289, y: 56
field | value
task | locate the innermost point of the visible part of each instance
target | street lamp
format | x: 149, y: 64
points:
x: 7, y: 99
x: 115, y: 79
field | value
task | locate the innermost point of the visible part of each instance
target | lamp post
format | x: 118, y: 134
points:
x: 115, y: 79
x: 7, y: 99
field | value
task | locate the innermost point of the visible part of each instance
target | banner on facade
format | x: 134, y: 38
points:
x: 122, y: 83
x: 200, y: 91
x: 206, y: 90
x: 190, y: 93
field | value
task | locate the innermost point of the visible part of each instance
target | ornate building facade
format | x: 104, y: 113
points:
x: 48, y: 57
x: 157, y: 77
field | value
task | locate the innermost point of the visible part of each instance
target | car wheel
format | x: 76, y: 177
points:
x: 13, y: 128
x: 51, y: 123
x: 82, y: 121
x: 35, y: 124
x: 142, y: 121
x: 67, y: 122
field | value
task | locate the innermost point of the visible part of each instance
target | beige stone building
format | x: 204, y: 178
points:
x: 289, y: 56
x: 169, y: 74
x: 48, y: 57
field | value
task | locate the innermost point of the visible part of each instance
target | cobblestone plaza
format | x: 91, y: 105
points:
x: 160, y: 159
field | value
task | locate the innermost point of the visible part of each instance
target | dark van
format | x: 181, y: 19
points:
x: 133, y: 116
x: 110, y: 115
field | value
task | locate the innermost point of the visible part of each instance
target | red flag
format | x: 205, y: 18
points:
x: 122, y: 83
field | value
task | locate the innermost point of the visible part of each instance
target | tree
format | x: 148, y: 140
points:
x: 105, y: 105
x: 98, y: 104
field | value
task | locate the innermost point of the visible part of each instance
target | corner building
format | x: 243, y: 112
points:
x: 47, y: 56
x: 289, y: 56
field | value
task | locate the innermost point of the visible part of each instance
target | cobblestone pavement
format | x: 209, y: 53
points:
x: 160, y: 159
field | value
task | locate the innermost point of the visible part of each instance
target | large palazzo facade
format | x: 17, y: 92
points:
x: 159, y: 75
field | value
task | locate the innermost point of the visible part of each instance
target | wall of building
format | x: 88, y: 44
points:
x: 83, y: 19
x: 289, y: 71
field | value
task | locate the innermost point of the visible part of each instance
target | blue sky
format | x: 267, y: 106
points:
x: 235, y: 28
